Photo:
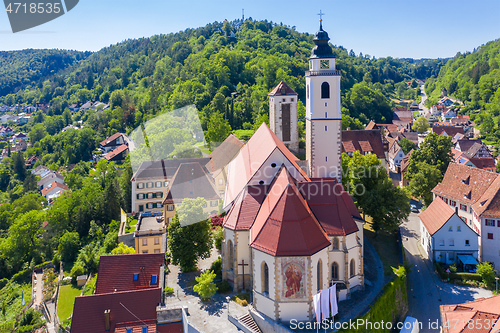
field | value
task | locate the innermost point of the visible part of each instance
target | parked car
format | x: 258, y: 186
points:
x: 414, y: 208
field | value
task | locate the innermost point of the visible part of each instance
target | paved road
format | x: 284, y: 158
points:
x: 423, y: 109
x: 426, y: 290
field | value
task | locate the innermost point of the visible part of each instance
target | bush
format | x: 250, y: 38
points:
x: 21, y: 276
x: 205, y: 286
x: 216, y: 267
x: 218, y: 236
x: 3, y: 282
x: 487, y: 274
x: 223, y: 287
x: 76, y: 271
x: 168, y: 290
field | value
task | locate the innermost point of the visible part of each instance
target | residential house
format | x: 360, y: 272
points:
x: 19, y: 136
x: 445, y: 101
x: 474, y: 153
x: 447, y: 130
x: 5, y: 131
x: 53, y: 190
x: 395, y: 155
x: 87, y: 105
x: 49, y: 178
x: 412, y: 136
x: 126, y: 272
x: 448, y: 115
x: 30, y: 161
x: 404, y: 168
x: 364, y: 141
x: 191, y: 180
x: 150, y: 234
x: 117, y: 155
x: 113, y: 142
x: 476, y: 193
x: 414, y: 106
x: 41, y: 171
x: 151, y: 182
x: 73, y: 108
x: 403, y: 119
x: 220, y: 158
x: 445, y: 237
x: 459, y: 316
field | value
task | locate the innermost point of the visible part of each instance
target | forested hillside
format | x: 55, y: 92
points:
x: 205, y: 65
x: 19, y: 69
x: 474, y: 79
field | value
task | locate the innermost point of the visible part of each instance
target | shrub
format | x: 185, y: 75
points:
x: 3, y: 282
x: 216, y: 267
x: 223, y: 287
x: 218, y: 236
x: 76, y: 271
x: 453, y: 268
x: 21, y: 276
x: 169, y: 290
x: 487, y: 273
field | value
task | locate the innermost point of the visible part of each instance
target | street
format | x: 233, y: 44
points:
x: 426, y: 290
x: 421, y: 106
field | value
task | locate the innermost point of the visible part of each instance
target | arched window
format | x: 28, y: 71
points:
x: 319, y: 274
x: 325, y: 90
x: 335, y: 243
x: 352, y: 268
x: 265, y: 278
x: 230, y: 255
x: 335, y: 271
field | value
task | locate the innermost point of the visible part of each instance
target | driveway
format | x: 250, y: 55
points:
x: 426, y: 290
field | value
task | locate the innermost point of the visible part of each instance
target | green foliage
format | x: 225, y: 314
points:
x: 69, y: 245
x: 30, y: 321
x: 168, y: 290
x: 368, y: 183
x: 192, y: 242
x: 123, y: 249
x: 428, y: 165
x: 216, y: 267
x: 487, y: 273
x: 421, y: 125
x: 407, y: 145
x: 218, y: 237
x: 390, y: 307
x: 205, y: 286
x: 367, y: 103
x: 217, y: 128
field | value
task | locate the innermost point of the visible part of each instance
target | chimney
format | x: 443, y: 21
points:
x: 107, y: 319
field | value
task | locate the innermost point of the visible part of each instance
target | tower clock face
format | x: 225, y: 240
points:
x: 324, y: 64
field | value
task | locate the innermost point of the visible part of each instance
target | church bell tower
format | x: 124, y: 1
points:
x: 323, y: 117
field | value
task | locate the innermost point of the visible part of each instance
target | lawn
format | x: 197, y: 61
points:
x: 131, y: 226
x: 66, y: 300
x: 386, y: 245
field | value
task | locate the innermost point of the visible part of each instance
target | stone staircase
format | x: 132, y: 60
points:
x: 248, y: 322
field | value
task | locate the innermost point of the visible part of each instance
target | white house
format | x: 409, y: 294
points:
x: 445, y: 236
x: 395, y: 155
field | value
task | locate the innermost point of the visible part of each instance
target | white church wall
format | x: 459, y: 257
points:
x: 297, y: 310
x: 243, y: 251
x: 337, y: 256
x: 323, y: 256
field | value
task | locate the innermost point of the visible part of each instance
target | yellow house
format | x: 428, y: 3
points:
x: 191, y: 181
x: 150, y: 235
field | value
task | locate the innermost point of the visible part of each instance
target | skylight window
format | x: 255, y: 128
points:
x: 154, y: 279
x: 136, y: 276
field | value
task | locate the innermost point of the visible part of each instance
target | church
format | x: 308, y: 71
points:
x: 290, y: 229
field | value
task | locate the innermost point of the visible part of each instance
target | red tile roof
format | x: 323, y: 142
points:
x: 224, y: 153
x: 365, y: 146
x: 489, y: 203
x: 115, y: 152
x: 54, y: 185
x: 371, y: 125
x: 348, y: 147
x: 449, y: 130
x: 111, y: 139
x: 282, y: 89
x: 246, y: 206
x: 436, y: 215
x: 486, y: 309
x: 460, y: 180
x: 331, y: 205
x: 358, y: 136
x: 484, y: 163
x: 169, y: 328
x: 285, y: 226
x: 251, y: 158
x: 125, y: 307
x: 136, y: 327
x: 116, y: 272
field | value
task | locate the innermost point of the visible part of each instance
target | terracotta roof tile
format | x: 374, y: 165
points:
x: 116, y: 272
x: 115, y: 152
x: 371, y: 125
x: 455, y: 185
x: 54, y: 185
x: 357, y: 136
x: 163, y: 169
x: 348, y: 147
x: 489, y: 203
x: 285, y: 226
x: 224, y: 153
x: 486, y: 309
x: 365, y: 146
x: 436, y: 215
x: 252, y: 157
x: 88, y: 313
x: 115, y: 136
x: 282, y: 89
x: 246, y: 206
x: 449, y: 130
x: 484, y: 163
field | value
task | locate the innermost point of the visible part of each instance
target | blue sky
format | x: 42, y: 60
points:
x: 403, y: 28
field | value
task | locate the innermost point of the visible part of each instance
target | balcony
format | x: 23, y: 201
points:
x: 335, y: 72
